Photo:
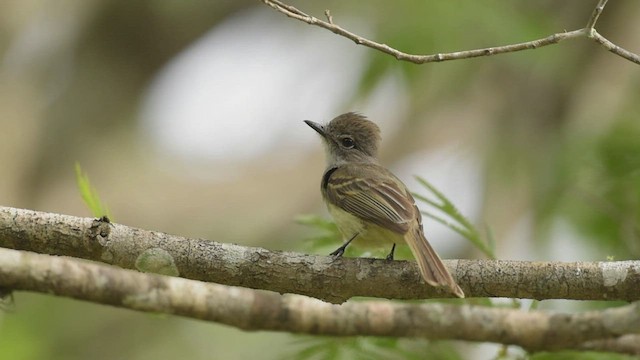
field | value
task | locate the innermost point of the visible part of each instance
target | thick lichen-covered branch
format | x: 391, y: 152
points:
x: 263, y: 310
x: 322, y: 277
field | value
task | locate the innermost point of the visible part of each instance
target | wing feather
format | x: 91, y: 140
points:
x: 373, y: 194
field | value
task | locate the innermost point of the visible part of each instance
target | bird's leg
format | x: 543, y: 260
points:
x: 340, y: 251
x: 393, y: 249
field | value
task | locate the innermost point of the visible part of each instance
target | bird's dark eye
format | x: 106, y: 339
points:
x: 348, y: 142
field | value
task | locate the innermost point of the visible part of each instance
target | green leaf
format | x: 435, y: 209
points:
x: 90, y: 195
x: 491, y: 241
x: 460, y: 230
x: 447, y: 206
x: 459, y: 223
x: 534, y: 304
x: 317, y: 222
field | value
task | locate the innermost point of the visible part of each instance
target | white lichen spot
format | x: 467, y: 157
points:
x: 321, y: 264
x: 102, y: 240
x: 106, y: 256
x: 612, y: 273
x: 362, y: 274
x: 157, y: 261
x: 100, y: 280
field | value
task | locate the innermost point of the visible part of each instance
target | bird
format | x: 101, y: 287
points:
x: 369, y: 202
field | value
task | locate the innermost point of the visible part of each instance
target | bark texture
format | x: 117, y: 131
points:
x: 263, y: 310
x: 322, y: 277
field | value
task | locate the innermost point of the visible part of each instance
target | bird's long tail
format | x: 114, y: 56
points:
x: 431, y: 267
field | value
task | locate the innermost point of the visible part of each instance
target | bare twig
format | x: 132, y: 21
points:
x: 588, y: 31
x: 327, y: 13
x: 261, y: 310
x: 323, y: 277
x: 592, y: 33
x: 614, y: 48
x: 591, y: 24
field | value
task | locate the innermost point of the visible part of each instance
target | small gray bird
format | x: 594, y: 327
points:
x: 367, y: 201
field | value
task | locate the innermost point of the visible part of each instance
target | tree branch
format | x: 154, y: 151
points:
x: 588, y: 31
x: 261, y: 310
x: 626, y: 344
x: 597, y: 11
x: 613, y: 47
x: 322, y: 277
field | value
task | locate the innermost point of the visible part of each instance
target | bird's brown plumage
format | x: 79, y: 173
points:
x: 368, y: 201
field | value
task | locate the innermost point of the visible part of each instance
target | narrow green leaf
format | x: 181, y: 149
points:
x: 451, y: 210
x: 464, y: 232
x: 491, y: 241
x: 462, y: 225
x: 534, y: 304
x: 428, y: 201
x: 316, y: 221
x: 90, y: 195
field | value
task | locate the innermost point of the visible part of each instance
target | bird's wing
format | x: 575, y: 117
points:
x: 373, y: 194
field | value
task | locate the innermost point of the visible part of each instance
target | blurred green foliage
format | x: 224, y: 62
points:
x: 598, y: 189
x: 579, y: 355
x: 373, y: 348
x: 608, y: 208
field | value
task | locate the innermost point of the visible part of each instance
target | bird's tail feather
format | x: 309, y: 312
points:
x: 431, y: 267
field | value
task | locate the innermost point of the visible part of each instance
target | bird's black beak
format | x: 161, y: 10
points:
x: 317, y: 127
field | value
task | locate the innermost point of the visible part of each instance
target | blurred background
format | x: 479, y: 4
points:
x: 187, y: 117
